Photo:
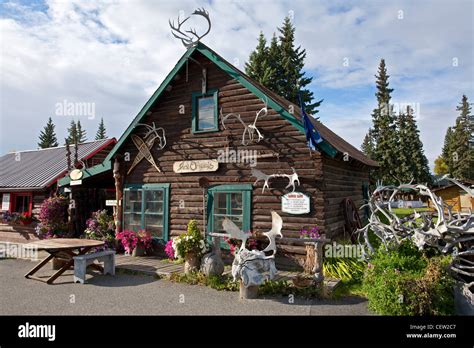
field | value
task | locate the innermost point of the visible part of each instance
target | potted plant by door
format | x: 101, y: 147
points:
x: 143, y: 243
x: 128, y: 239
x: 135, y: 244
x: 190, y: 247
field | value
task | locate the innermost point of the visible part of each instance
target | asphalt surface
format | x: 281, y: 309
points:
x: 127, y: 294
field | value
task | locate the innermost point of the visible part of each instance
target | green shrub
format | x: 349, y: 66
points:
x: 343, y: 268
x: 406, y: 282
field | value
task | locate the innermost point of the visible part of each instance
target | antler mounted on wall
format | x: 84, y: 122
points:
x: 145, y: 144
x: 250, y: 130
x: 292, y: 178
x: 190, y: 37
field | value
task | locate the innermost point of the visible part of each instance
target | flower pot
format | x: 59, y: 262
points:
x: 192, y: 263
x: 139, y: 250
x: 25, y: 222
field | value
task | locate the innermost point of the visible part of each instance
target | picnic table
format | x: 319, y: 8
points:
x: 60, y: 248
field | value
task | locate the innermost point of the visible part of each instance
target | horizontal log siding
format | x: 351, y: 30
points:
x: 280, y: 138
x: 341, y: 180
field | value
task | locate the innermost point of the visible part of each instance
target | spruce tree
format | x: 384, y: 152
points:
x: 293, y: 77
x: 463, y: 151
x: 404, y: 168
x: 414, y: 155
x: 384, y: 129
x: 72, y: 132
x: 280, y: 67
x: 81, y: 133
x: 275, y: 68
x: 101, y: 133
x: 383, y: 95
x: 47, y: 137
x: 368, y: 145
x: 258, y: 66
x: 448, y: 150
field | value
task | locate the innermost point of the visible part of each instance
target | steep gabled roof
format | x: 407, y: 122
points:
x: 38, y: 169
x: 331, y: 145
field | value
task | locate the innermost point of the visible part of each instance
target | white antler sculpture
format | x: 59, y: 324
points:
x: 292, y: 178
x: 254, y: 266
x: 250, y: 130
x: 440, y: 230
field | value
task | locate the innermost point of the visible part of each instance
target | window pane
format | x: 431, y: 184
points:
x: 154, y: 207
x: 133, y: 201
x: 132, y: 221
x: 236, y: 203
x: 217, y: 228
x: 221, y: 210
x: 154, y: 224
x: 155, y: 195
x: 206, y: 113
x: 220, y: 206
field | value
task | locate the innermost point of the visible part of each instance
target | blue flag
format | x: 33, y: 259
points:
x: 312, y: 135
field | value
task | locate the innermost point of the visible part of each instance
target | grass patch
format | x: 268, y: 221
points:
x: 351, y: 287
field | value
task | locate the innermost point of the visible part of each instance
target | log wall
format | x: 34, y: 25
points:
x: 280, y: 138
x: 341, y: 180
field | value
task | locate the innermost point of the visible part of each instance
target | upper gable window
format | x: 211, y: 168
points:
x: 205, y: 111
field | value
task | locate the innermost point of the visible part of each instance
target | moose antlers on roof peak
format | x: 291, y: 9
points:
x: 190, y: 37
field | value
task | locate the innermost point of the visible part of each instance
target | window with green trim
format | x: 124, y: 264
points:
x: 205, y: 114
x: 231, y: 201
x: 146, y: 207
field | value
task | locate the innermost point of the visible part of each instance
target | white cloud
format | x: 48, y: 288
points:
x: 115, y: 54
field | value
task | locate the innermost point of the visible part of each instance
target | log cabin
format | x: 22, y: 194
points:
x: 185, y: 157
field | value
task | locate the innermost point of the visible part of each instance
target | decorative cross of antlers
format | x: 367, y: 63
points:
x: 251, y: 131
x: 293, y: 178
x: 189, y: 37
x: 144, y: 145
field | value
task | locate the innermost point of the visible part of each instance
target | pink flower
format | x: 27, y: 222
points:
x: 169, y: 249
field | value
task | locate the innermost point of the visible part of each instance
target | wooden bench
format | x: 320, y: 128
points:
x: 81, y: 262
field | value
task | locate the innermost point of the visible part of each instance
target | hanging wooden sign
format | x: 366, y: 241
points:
x: 295, y: 203
x: 196, y: 166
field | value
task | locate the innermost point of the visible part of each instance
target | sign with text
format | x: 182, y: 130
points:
x: 6, y: 201
x: 196, y: 166
x: 295, y: 203
x: 110, y: 202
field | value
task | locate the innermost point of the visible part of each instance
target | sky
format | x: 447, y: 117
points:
x: 89, y: 60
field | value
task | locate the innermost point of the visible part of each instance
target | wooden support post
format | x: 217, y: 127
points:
x: 118, y: 195
x: 310, y: 258
x: 314, y: 260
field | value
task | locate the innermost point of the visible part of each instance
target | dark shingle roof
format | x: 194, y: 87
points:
x: 36, y: 169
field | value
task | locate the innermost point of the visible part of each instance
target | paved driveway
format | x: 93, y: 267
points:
x: 143, y: 295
